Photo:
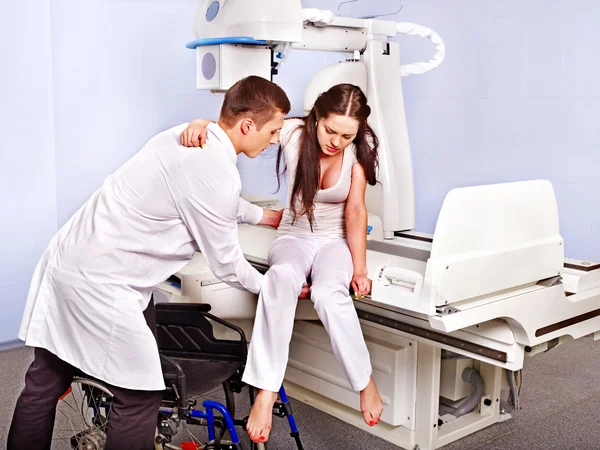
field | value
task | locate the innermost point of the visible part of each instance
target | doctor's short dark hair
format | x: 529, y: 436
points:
x: 256, y: 98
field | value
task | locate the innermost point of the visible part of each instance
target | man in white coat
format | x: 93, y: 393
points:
x: 85, y: 310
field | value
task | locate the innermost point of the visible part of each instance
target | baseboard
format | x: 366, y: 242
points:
x: 10, y: 345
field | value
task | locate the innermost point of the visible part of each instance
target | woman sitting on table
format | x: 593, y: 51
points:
x: 331, y: 155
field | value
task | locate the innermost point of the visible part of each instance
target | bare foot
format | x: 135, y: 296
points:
x: 261, y: 416
x: 370, y: 404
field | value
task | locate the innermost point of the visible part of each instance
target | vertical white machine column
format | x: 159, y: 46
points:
x: 393, y: 200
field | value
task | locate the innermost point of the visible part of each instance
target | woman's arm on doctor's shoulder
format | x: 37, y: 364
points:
x: 195, y: 133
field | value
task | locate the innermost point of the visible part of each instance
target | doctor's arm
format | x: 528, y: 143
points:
x: 212, y: 221
x: 255, y: 215
x: 356, y: 218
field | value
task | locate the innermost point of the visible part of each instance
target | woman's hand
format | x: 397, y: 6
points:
x: 195, y: 134
x: 361, y: 284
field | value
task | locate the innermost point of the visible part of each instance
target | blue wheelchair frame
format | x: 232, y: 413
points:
x: 208, y: 415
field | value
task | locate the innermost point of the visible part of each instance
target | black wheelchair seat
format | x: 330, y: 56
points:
x: 189, y: 348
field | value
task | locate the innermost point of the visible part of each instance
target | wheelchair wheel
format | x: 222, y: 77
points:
x: 82, y: 416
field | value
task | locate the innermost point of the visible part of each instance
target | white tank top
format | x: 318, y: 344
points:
x: 330, y: 203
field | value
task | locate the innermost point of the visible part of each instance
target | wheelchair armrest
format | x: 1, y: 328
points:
x: 191, y: 307
x: 228, y: 325
x: 202, y: 308
x: 185, y: 330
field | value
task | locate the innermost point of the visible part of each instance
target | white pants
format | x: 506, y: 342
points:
x: 291, y: 260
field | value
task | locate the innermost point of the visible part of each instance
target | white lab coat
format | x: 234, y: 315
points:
x: 94, y: 280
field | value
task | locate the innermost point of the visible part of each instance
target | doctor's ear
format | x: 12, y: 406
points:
x: 246, y: 125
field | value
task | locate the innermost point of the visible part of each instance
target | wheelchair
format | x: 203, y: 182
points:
x: 194, y: 362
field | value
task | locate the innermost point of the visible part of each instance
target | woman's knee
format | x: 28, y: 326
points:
x: 330, y: 296
x: 286, y: 273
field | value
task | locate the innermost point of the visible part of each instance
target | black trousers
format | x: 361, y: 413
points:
x: 133, y: 415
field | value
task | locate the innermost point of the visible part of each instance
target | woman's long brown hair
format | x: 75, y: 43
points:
x: 344, y: 100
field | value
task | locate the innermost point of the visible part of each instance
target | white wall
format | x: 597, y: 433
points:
x: 122, y: 74
x: 27, y: 158
x: 517, y: 98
